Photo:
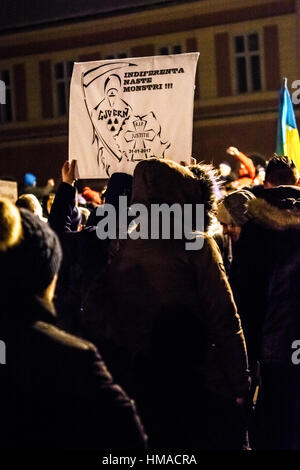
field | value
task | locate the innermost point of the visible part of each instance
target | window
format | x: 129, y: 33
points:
x: 247, y: 63
x: 62, y: 73
x: 7, y: 109
x: 169, y: 50
x: 120, y: 55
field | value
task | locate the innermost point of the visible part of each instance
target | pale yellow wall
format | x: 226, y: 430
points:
x: 236, y: 119
x: 288, y: 35
x: 287, y: 45
x: 33, y: 89
x: 288, y: 48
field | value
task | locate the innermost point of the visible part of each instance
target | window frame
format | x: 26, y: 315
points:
x: 9, y: 87
x: 67, y: 82
x: 115, y: 55
x: 169, y: 46
x: 247, y: 55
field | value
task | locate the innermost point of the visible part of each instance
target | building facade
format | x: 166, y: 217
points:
x: 245, y: 50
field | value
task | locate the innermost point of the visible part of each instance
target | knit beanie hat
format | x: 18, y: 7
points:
x: 119, y: 184
x: 29, y: 179
x: 234, y: 209
x: 223, y: 215
x: 30, y: 261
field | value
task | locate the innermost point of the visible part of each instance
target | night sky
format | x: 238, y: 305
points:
x: 22, y: 13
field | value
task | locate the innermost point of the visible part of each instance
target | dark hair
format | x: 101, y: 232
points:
x: 281, y: 170
x: 258, y: 161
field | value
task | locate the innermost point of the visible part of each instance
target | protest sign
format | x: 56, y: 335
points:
x: 9, y: 189
x: 125, y: 110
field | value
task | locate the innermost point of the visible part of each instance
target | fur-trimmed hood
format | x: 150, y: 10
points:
x: 274, y: 217
x: 158, y: 181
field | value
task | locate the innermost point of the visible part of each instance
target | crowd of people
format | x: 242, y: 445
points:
x: 138, y: 343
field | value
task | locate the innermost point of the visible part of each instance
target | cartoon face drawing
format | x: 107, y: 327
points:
x: 120, y: 135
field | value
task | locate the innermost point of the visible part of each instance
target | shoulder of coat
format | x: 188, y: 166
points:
x: 272, y: 217
x: 62, y: 336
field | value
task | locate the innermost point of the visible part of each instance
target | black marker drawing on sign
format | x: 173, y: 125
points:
x: 144, y: 134
x: 118, y: 133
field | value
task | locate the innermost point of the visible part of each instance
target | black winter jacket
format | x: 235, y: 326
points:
x: 84, y: 257
x: 56, y: 392
x: 266, y: 276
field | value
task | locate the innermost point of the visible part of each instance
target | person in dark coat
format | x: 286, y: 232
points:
x: 232, y: 215
x: 172, y: 314
x: 56, y: 393
x: 84, y: 255
x: 266, y: 286
x: 201, y: 412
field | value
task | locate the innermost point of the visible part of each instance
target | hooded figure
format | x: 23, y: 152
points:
x: 171, y: 317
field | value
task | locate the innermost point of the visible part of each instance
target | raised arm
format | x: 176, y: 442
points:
x: 246, y: 161
x: 60, y: 217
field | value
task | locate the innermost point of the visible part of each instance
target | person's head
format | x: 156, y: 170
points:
x: 280, y: 171
x: 158, y: 181
x: 47, y: 203
x: 29, y: 179
x: 232, y: 212
x: 31, y: 203
x: 10, y: 224
x: 232, y: 230
x: 164, y: 182
x: 119, y: 184
x: 30, y: 254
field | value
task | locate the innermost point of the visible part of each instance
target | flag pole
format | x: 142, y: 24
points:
x: 284, y: 82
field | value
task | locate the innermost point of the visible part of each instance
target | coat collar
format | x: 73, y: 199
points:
x: 31, y: 309
x: 274, y: 217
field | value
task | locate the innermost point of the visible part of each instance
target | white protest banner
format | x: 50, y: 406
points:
x: 9, y: 189
x: 125, y: 110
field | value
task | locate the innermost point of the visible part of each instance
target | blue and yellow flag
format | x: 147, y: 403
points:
x: 287, y: 133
